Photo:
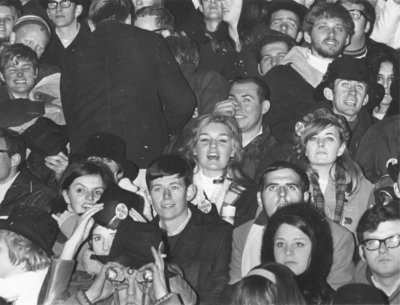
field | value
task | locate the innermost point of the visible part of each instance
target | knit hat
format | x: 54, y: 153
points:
x: 34, y: 224
x: 117, y: 203
x: 132, y: 244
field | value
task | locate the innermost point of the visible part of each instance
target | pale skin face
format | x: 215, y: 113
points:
x: 249, y: 109
x: 271, y: 55
x: 83, y: 193
x: 324, y: 148
x: 348, y: 96
x: 281, y: 187
x: 19, y: 76
x: 211, y: 9
x: 287, y: 23
x: 8, y: 17
x: 385, y: 78
x: 8, y: 165
x: 102, y: 240
x: 292, y: 248
x: 213, y: 149
x: 384, y: 262
x: 170, y: 195
x: 231, y: 10
x: 328, y: 38
x: 65, y: 17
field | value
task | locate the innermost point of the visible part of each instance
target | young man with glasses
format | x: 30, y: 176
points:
x: 17, y: 183
x: 378, y: 233
x: 69, y: 33
x: 363, y: 14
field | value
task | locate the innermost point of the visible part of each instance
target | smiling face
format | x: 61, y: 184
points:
x: 83, y: 192
x: 384, y: 262
x: 292, y: 248
x: 282, y: 187
x: 19, y: 76
x: 328, y: 38
x: 102, y: 239
x: 231, y: 10
x: 249, y: 110
x: 285, y: 22
x: 8, y: 17
x: 214, y: 148
x: 170, y: 195
x: 323, y: 148
x: 348, y: 97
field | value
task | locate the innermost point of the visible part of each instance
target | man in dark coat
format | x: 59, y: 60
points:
x: 124, y: 81
x: 18, y: 186
x: 199, y: 243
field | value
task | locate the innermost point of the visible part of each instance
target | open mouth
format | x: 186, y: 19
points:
x: 330, y: 41
x: 213, y: 157
x: 350, y: 102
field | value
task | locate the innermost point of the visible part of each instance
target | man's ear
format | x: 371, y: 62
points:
x: 259, y: 200
x: 306, y: 196
x: 328, y: 93
x: 15, y: 160
x: 299, y: 36
x: 201, y: 8
x: 265, y: 105
x: 361, y: 252
x: 347, y: 40
x: 128, y: 19
x: 2, y: 77
x: 367, y: 27
x: 92, y: 27
x: 366, y: 99
x: 396, y: 189
x: 78, y: 10
x: 12, y: 38
x: 307, y: 38
x: 191, y: 192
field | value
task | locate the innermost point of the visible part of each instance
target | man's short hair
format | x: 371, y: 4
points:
x: 368, y: 10
x: 263, y: 91
x: 273, y: 37
x: 16, y: 4
x: 164, y: 19
x: 14, y: 143
x: 102, y: 10
x: 304, y: 181
x: 22, y: 251
x: 326, y: 10
x: 17, y: 52
x: 169, y: 165
x: 184, y: 50
x: 372, y: 217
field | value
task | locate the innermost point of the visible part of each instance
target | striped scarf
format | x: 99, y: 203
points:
x: 341, y: 186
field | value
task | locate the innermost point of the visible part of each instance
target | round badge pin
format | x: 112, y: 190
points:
x: 121, y: 211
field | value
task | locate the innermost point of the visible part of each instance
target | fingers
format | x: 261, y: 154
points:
x: 227, y: 107
x: 57, y: 163
x: 56, y: 217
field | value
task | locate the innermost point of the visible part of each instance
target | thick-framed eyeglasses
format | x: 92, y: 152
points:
x: 5, y: 151
x: 374, y: 244
x: 356, y: 14
x: 63, y: 4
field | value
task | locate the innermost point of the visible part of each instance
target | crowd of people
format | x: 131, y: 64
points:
x: 208, y: 152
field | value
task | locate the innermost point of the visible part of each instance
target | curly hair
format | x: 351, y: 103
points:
x: 192, y: 133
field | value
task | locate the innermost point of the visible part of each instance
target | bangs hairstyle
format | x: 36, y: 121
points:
x: 102, y: 10
x: 312, y: 223
x: 192, y: 134
x: 258, y: 290
x: 263, y: 91
x: 16, y: 52
x: 326, y: 10
x: 352, y: 169
x: 86, y: 168
x: 169, y: 165
x: 22, y: 251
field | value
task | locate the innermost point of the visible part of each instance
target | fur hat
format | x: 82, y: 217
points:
x: 117, y: 203
x: 34, y: 224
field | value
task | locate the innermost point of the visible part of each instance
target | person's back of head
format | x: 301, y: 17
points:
x: 163, y: 19
x: 184, y: 50
x: 270, y: 283
x: 103, y: 10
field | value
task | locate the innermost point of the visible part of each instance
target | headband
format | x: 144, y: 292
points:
x: 264, y: 273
